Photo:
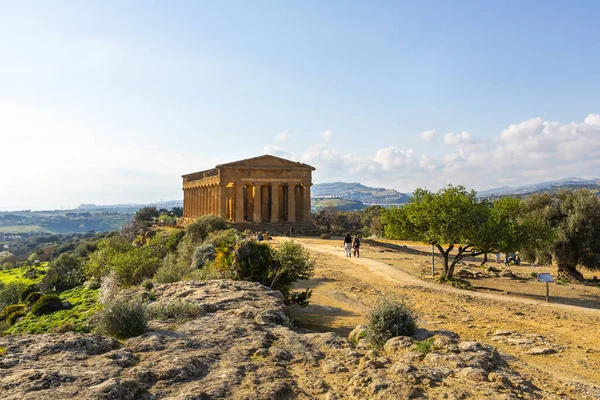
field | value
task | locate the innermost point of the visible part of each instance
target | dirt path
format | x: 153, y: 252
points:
x: 344, y: 289
x: 405, y: 279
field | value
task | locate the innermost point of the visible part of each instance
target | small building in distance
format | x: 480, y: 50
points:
x: 266, y: 190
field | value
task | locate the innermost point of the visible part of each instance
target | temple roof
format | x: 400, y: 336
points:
x: 267, y: 160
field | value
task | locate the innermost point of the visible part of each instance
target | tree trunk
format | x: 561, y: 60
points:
x: 485, y: 258
x: 445, y: 255
x: 450, y: 271
x: 569, y: 272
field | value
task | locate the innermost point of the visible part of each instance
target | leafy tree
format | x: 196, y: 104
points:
x: 574, y: 217
x: 66, y: 272
x: 326, y: 218
x: 146, y: 214
x: 510, y: 228
x: 371, y: 221
x: 449, y: 218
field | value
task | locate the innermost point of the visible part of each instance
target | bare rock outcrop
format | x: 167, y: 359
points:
x: 242, y: 348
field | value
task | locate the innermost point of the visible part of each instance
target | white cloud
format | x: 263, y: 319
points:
x: 327, y: 135
x: 392, y: 157
x: 526, y: 152
x: 592, y: 119
x: 428, y: 136
x: 282, y: 137
x: 452, y: 138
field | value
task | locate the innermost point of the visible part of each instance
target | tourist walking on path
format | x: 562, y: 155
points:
x: 348, y: 245
x: 498, y: 258
x: 356, y: 247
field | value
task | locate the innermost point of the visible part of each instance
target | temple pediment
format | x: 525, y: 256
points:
x: 267, y: 161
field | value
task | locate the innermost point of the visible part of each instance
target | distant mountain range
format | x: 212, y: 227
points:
x: 551, y: 186
x: 359, y: 192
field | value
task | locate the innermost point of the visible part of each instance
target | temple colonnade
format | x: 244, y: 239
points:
x: 250, y: 202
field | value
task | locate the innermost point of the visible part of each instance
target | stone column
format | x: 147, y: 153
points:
x: 291, y: 217
x: 201, y: 198
x: 192, y: 204
x: 185, y: 203
x: 213, y: 200
x: 239, y: 202
x: 257, y: 202
x: 223, y: 201
x: 209, y: 200
x: 196, y: 202
x: 274, y: 202
x: 306, y: 200
x: 205, y: 200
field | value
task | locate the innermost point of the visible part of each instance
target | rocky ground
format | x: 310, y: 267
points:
x: 244, y: 347
x: 554, y: 345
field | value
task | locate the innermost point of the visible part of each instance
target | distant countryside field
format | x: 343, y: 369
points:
x: 23, y: 229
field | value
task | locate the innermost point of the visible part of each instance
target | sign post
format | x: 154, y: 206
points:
x: 545, y: 277
x: 432, y: 260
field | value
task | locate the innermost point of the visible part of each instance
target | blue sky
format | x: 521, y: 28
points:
x: 104, y: 102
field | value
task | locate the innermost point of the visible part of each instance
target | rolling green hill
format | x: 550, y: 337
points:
x: 359, y: 192
x: 340, y: 204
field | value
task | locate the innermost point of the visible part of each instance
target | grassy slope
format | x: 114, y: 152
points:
x: 16, y: 275
x: 84, y: 302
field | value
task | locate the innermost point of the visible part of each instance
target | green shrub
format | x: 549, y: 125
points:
x: 252, y: 262
x: 277, y: 269
x: 171, y: 271
x: 12, y: 318
x: 300, y: 298
x: 292, y: 263
x: 177, y: 309
x: 131, y: 264
x: 64, y: 273
x: 534, y: 275
x: 147, y: 284
x: 199, y: 230
x: 11, y: 293
x: 457, y: 283
x: 203, y: 254
x: 196, y: 233
x: 224, y: 238
x: 173, y: 240
x: 46, y: 304
x: 32, y: 298
x: 31, y: 273
x: 8, y: 310
x: 123, y: 318
x: 27, y: 291
x: 388, y: 319
x: 424, y: 347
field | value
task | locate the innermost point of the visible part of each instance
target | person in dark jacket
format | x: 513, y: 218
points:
x: 356, y: 247
x: 348, y: 245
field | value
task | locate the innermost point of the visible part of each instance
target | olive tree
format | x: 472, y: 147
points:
x: 574, y: 217
x: 450, y: 218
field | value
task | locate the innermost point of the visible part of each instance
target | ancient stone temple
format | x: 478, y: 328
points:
x: 265, y: 189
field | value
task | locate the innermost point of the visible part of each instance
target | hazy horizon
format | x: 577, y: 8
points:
x: 111, y: 102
